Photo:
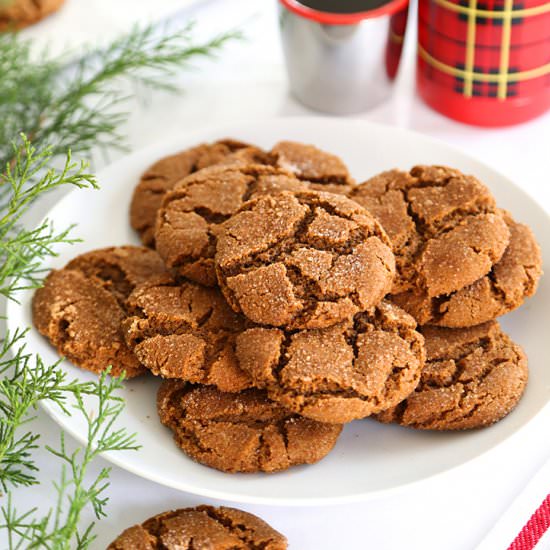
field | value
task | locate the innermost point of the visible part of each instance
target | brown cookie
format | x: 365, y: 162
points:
x: 303, y: 260
x: 473, y: 377
x: 444, y: 226
x: 81, y: 307
x: 513, y: 279
x: 16, y: 14
x: 202, y: 527
x: 185, y: 331
x: 241, y: 432
x: 325, y: 171
x: 163, y: 175
x: 191, y: 215
x: 341, y: 373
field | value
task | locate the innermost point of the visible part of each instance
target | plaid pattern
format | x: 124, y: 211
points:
x: 495, y: 49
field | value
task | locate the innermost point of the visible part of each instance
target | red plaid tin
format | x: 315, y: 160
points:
x: 485, y: 63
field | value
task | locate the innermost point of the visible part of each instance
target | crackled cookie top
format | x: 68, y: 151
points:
x: 444, y: 226
x: 163, y: 175
x: 191, y: 216
x: 81, y: 307
x: 341, y: 373
x: 473, y: 377
x: 241, y: 432
x: 325, y: 171
x: 511, y: 280
x: 185, y: 331
x: 202, y: 527
x: 303, y: 260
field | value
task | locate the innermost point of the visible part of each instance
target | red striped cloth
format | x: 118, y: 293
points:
x: 534, y: 529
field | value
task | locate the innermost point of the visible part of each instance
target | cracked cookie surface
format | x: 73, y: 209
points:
x: 81, y: 307
x: 192, y: 214
x: 511, y: 280
x: 241, y: 432
x: 303, y: 260
x: 202, y: 527
x: 185, y: 331
x: 444, y: 226
x: 324, y: 171
x: 341, y: 373
x: 473, y: 377
x: 164, y: 174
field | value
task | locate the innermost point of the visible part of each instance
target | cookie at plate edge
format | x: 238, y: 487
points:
x: 473, y: 378
x: 509, y: 283
x: 241, y: 432
x: 81, y: 307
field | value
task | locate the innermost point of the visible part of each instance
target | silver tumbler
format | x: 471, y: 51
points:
x: 342, y: 63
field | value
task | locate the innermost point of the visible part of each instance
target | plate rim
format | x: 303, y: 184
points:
x: 187, y: 138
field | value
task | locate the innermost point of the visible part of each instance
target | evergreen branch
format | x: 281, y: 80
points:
x: 25, y: 381
x: 60, y: 528
x: 61, y: 108
x: 22, y: 251
x: 76, y: 106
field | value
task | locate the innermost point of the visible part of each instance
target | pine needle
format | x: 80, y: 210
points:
x: 56, y: 109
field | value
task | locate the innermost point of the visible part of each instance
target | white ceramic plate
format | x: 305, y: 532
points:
x: 369, y: 458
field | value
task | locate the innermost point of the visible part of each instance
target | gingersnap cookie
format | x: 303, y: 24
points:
x: 81, y: 307
x: 16, y: 14
x: 303, y: 260
x: 509, y: 283
x: 163, y: 175
x: 202, y: 527
x: 120, y: 268
x: 192, y: 214
x: 185, y: 331
x: 341, y: 373
x: 473, y: 377
x: 324, y: 171
x: 444, y: 226
x: 241, y: 432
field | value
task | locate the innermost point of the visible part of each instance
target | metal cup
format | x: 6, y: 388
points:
x: 342, y: 63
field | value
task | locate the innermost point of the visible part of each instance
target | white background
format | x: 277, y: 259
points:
x: 454, y: 511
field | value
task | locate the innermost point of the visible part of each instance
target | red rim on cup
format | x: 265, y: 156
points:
x: 329, y: 18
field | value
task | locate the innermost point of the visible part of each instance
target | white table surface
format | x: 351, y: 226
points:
x: 451, y: 512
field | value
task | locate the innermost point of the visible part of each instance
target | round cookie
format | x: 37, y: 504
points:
x: 473, y: 377
x: 444, y: 226
x: 16, y: 14
x: 185, y: 331
x: 325, y: 171
x: 191, y: 215
x: 81, y: 307
x: 202, y: 527
x: 241, y: 432
x: 341, y: 373
x: 303, y: 260
x: 513, y: 279
x: 163, y: 175
x: 120, y: 268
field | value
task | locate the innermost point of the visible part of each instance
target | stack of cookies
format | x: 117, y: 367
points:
x: 278, y: 299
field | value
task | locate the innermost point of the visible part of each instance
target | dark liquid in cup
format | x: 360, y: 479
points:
x: 343, y: 6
